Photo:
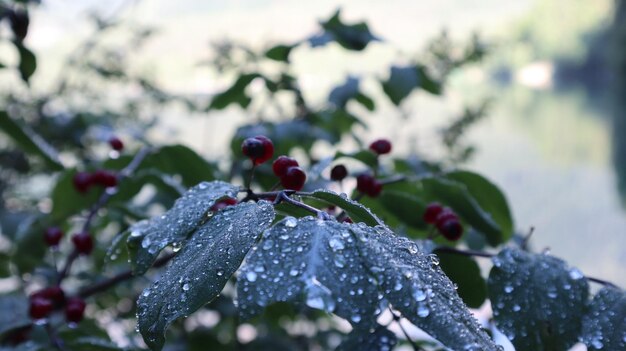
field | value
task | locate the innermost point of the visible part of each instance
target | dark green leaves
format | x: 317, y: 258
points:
x: 537, y: 300
x: 604, y: 325
x: 148, y: 238
x: 465, y: 273
x: 403, y: 80
x: 29, y: 141
x: 28, y: 61
x: 355, y: 210
x: 236, y: 94
x: 349, y: 90
x: 380, y: 338
x: 201, y: 269
x: 349, y: 36
x: 279, y: 53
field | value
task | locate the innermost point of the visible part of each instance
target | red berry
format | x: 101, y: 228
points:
x: 116, y: 144
x: 105, y: 178
x: 381, y: 146
x: 293, y: 179
x: 432, y: 211
x: 83, y: 243
x: 259, y: 149
x: 282, y: 164
x: 367, y: 184
x: 52, y: 236
x: 223, y: 203
x: 376, y: 189
x: 40, y: 307
x: 82, y: 181
x: 445, y: 215
x: 338, y: 173
x: 75, y: 309
x: 54, y: 294
x: 451, y: 229
x: 347, y: 220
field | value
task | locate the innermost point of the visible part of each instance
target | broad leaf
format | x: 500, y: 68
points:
x: 201, y: 269
x: 309, y: 262
x: 148, y: 238
x: 604, y: 325
x: 29, y: 141
x: 489, y: 197
x: 28, y: 249
x: 365, y: 156
x: 457, y: 196
x: 403, y: 80
x: 356, y: 211
x: 353, y: 271
x: 28, y: 61
x: 14, y: 313
x: 537, y: 300
x: 236, y: 94
x: 415, y: 285
x: 465, y: 273
x: 364, y: 339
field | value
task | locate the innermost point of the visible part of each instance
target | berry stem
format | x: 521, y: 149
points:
x: 283, y: 196
x: 397, y: 319
x: 54, y: 338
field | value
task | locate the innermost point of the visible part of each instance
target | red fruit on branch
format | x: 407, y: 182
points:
x: 116, y: 143
x: 105, y: 178
x: 432, y: 211
x: 83, y: 243
x: 381, y: 146
x: 82, y: 181
x: 40, y: 307
x: 258, y: 149
x: 54, y: 294
x: 293, y: 179
x: 451, y: 229
x: 338, y: 173
x: 282, y: 164
x: 75, y: 309
x: 52, y: 236
x: 367, y: 184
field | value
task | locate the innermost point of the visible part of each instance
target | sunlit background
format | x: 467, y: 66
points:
x: 548, y: 139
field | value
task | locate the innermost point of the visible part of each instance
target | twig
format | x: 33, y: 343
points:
x: 397, y: 319
x: 283, y: 196
x: 54, y: 338
x: 120, y: 277
x: 601, y: 281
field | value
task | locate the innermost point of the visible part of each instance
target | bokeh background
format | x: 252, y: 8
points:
x: 551, y: 137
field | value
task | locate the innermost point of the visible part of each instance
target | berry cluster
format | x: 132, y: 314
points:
x: 367, y: 184
x: 259, y: 149
x: 83, y: 181
x: 83, y: 243
x: 445, y: 220
x: 44, y: 301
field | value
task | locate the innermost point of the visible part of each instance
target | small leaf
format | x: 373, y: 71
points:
x: 201, y: 269
x: 28, y: 61
x: 366, y: 101
x: 465, y: 273
x: 29, y: 248
x: 14, y: 312
x: 364, y: 339
x: 279, y: 53
x: 401, y: 82
x: 538, y: 301
x: 315, y: 264
x: 457, y: 196
x: 352, y: 37
x: 604, y: 325
x: 341, y: 94
x: 148, y: 238
x: 489, y: 197
x: 355, y: 210
x: 236, y: 94
x: 29, y: 141
x: 365, y: 156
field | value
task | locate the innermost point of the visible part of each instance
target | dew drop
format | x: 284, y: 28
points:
x: 508, y: 289
x: 575, y: 274
x: 251, y: 276
x: 291, y: 222
x: 186, y: 287
x: 220, y: 272
x: 422, y: 310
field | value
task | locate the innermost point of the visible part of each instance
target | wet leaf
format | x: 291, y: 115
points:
x: 199, y: 272
x: 14, y: 312
x: 355, y: 210
x: 379, y: 339
x: 149, y: 237
x: 465, y: 273
x: 604, y: 325
x: 537, y: 300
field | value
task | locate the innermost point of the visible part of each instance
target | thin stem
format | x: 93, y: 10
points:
x: 282, y: 196
x: 120, y: 277
x: 54, y: 338
x: 397, y: 319
x: 601, y: 281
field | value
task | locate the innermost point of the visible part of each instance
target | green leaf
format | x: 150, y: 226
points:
x: 489, y: 197
x: 29, y: 141
x: 465, y: 273
x: 457, y: 196
x: 366, y: 101
x: 365, y: 339
x: 201, y: 269
x: 352, y: 37
x: 538, y: 301
x: 14, y: 312
x: 236, y: 94
x: 316, y: 267
x: 149, y: 237
x: 28, y: 61
x: 279, y: 53
x: 29, y: 248
x: 406, y: 207
x: 356, y: 272
x: 355, y: 210
x: 5, y: 265
x: 415, y: 285
x: 401, y: 82
x: 93, y: 344
x: 341, y: 94
x: 604, y: 325
x: 365, y: 156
